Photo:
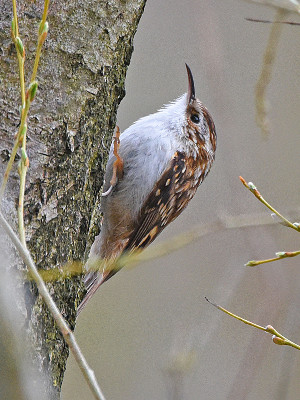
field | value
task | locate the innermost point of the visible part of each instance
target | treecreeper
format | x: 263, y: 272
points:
x: 153, y: 171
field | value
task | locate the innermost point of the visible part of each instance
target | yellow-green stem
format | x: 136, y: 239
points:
x: 235, y: 316
x: 254, y: 263
x: 250, y: 186
x: 25, y: 104
x: 268, y: 328
x: 20, y: 56
x: 287, y: 222
x: 40, y: 43
x: 280, y: 256
x: 23, y: 114
x: 22, y: 79
x: 46, y: 6
x: 24, y: 166
x: 21, y: 205
x: 15, y: 16
x: 36, y: 61
x: 14, y: 150
x: 23, y: 171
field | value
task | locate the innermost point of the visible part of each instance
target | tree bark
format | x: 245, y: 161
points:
x: 81, y: 83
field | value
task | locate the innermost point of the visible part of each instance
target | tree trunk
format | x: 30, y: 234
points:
x: 81, y: 83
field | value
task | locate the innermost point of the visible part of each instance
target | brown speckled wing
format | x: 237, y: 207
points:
x: 168, y: 198
x: 170, y: 195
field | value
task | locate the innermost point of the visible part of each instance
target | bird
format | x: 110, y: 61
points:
x: 154, y: 169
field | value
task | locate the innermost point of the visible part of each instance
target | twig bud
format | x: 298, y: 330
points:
x: 252, y: 263
x: 23, y: 154
x: 280, y: 254
x: 253, y: 189
x: 23, y: 133
x: 278, y: 340
x: 20, y: 47
x: 269, y: 328
x: 46, y: 27
x: 31, y: 92
x: 251, y: 186
x: 43, y: 27
x: 43, y: 30
x: 24, y: 158
x: 21, y: 109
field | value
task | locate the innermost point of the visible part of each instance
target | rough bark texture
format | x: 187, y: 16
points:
x: 81, y: 83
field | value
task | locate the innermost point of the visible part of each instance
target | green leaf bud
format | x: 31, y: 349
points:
x: 20, y: 47
x: 32, y: 90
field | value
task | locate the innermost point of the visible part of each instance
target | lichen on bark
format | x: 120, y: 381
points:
x: 81, y: 83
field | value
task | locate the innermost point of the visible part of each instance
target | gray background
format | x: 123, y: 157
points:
x: 149, y: 331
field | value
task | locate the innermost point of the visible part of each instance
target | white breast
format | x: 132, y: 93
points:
x: 146, y: 147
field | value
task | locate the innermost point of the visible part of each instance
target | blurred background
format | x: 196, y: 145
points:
x: 149, y: 333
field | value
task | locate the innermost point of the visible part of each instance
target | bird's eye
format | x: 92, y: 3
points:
x: 195, y: 118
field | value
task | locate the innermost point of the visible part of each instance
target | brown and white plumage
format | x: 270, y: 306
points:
x: 165, y: 157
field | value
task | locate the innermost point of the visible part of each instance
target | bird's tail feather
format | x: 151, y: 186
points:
x: 92, y: 281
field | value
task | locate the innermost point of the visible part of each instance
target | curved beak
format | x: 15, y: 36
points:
x: 191, y: 89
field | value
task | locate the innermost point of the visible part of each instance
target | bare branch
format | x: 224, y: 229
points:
x: 277, y: 337
x: 250, y: 186
x: 279, y: 256
x: 265, y: 21
x: 68, y: 335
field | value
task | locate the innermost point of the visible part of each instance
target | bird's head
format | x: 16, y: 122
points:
x: 199, y: 125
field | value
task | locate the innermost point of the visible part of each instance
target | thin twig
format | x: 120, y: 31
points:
x: 265, y: 21
x: 20, y: 54
x: 24, y: 163
x: 16, y: 32
x: 266, y: 73
x: 33, y: 85
x: 277, y: 338
x: 250, y: 186
x: 22, y: 171
x: 9, y: 165
x: 42, y: 34
x: 279, y: 256
x: 21, y: 57
x: 45, y: 12
x: 61, y: 323
x: 19, y: 138
x: 43, y: 31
